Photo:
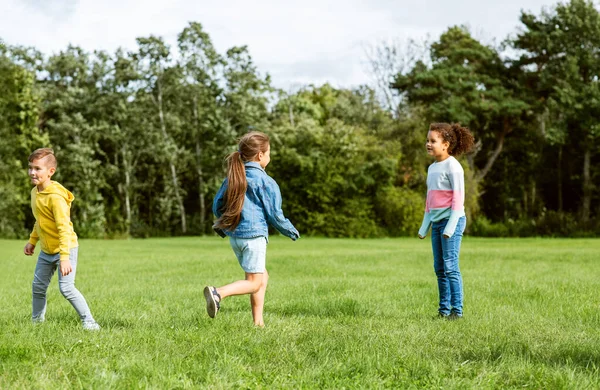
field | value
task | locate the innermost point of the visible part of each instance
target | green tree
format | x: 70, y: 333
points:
x: 561, y: 55
x: 207, y: 131
x: 68, y: 115
x: 158, y: 76
x: 246, y: 92
x: 468, y: 82
x: 19, y: 107
x: 332, y: 150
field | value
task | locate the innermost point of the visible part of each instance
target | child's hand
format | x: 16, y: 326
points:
x: 65, y: 267
x: 446, y: 236
x: 29, y: 248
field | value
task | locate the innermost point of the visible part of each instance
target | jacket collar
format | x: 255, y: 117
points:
x: 253, y: 164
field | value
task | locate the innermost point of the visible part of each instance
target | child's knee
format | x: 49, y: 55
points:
x: 257, y: 284
x: 67, y: 290
x: 39, y: 288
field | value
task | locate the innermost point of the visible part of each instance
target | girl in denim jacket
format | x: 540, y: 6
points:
x: 445, y: 211
x: 247, y: 202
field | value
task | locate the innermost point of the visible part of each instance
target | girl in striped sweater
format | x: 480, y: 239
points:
x: 445, y: 211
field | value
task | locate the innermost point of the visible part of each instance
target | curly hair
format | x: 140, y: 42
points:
x: 459, y: 138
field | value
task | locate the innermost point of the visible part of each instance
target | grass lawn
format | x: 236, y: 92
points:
x: 339, y: 313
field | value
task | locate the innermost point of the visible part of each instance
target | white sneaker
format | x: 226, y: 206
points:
x: 91, y: 326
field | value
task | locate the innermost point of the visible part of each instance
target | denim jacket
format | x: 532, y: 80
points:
x: 262, y: 206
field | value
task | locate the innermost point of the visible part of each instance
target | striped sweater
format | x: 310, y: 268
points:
x: 445, y: 195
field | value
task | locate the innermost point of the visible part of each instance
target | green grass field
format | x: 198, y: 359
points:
x: 339, y: 314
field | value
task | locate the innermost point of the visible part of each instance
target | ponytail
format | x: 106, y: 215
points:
x: 459, y: 138
x: 250, y: 145
x: 234, y: 194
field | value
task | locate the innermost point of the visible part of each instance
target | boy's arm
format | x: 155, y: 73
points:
x: 62, y: 218
x: 33, y: 237
x: 271, y: 199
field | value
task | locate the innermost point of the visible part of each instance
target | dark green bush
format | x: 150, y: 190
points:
x: 400, y: 210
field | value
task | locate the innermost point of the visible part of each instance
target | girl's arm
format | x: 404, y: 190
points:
x: 217, y: 205
x: 425, y: 225
x: 271, y: 199
x: 457, y: 180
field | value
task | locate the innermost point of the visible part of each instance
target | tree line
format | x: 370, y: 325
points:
x: 141, y: 135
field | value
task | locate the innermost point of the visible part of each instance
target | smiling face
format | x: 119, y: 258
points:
x: 41, y: 171
x: 436, y: 146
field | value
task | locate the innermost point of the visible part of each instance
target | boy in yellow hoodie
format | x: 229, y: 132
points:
x: 51, y: 206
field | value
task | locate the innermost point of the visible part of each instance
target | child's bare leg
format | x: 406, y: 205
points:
x: 257, y: 301
x: 250, y: 285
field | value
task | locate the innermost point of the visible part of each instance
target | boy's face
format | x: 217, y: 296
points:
x: 40, y: 172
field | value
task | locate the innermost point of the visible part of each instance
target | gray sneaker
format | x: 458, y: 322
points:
x: 454, y: 317
x: 213, y: 300
x: 91, y: 326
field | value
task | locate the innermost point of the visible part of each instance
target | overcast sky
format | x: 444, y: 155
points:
x: 296, y: 42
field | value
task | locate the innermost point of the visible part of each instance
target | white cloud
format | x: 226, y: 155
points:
x: 312, y: 41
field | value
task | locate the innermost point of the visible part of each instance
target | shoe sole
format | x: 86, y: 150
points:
x: 211, y: 304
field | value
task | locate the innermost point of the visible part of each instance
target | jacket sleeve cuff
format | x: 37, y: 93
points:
x: 64, y: 257
x: 33, y: 240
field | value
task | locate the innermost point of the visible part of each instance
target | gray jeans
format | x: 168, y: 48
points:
x: 45, y: 268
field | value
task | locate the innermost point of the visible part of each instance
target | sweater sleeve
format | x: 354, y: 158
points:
x: 33, y: 237
x: 62, y: 218
x: 425, y: 225
x: 457, y: 180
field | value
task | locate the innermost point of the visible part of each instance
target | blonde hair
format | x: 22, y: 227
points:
x: 249, y: 146
x: 44, y: 153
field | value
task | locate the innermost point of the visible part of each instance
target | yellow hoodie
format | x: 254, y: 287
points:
x: 53, y: 227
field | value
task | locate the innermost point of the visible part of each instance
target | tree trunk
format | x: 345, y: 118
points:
x: 291, y: 112
x: 199, y: 170
x: 587, y: 186
x: 533, y: 194
x: 163, y: 129
x: 560, y: 184
x: 499, y: 145
x: 127, y: 168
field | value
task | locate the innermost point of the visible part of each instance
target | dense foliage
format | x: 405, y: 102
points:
x: 141, y: 135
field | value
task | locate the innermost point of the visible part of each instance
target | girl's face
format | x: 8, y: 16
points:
x: 265, y: 158
x: 436, y: 146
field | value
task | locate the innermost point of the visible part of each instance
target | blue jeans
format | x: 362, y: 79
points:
x: 46, y: 265
x: 445, y: 264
